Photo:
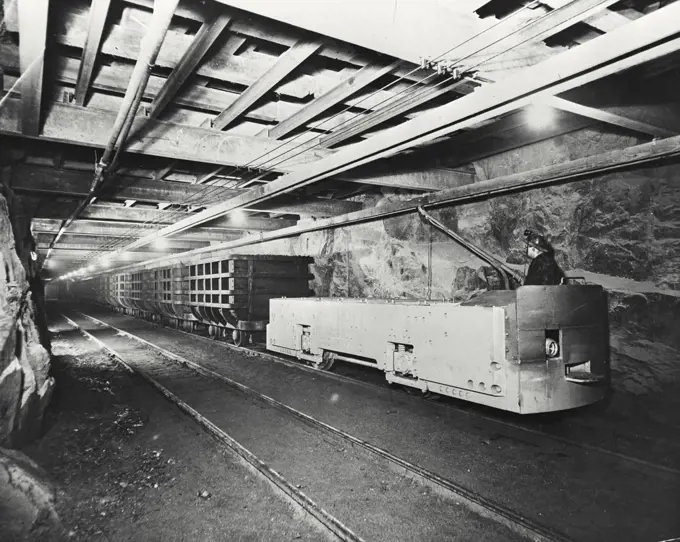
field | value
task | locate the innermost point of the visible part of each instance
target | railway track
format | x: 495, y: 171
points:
x: 291, y: 362
x: 562, y: 469
x: 297, y: 497
x: 178, y: 369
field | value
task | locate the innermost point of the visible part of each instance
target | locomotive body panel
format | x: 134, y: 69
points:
x: 438, y: 346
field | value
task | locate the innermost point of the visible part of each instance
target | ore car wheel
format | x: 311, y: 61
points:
x: 240, y: 337
x: 327, y: 361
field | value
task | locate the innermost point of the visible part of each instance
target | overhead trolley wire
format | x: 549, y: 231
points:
x: 211, y: 189
x: 214, y: 188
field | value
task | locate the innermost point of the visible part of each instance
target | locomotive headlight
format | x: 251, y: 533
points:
x: 552, y: 348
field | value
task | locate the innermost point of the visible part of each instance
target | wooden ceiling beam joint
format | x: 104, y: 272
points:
x: 359, y: 80
x: 204, y: 39
x: 286, y: 63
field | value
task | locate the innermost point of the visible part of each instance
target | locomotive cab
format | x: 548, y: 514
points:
x: 559, y: 348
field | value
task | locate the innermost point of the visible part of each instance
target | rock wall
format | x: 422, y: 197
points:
x: 25, y: 384
x: 27, y: 501
x: 620, y: 230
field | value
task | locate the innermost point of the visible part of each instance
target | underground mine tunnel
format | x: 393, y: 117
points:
x: 330, y: 270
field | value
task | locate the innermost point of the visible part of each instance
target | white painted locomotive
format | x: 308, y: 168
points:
x: 534, y: 349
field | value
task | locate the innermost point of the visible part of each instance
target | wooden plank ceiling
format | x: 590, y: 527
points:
x: 236, y: 99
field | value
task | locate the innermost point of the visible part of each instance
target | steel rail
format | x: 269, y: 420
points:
x: 475, y: 502
x: 294, y: 494
x: 278, y: 358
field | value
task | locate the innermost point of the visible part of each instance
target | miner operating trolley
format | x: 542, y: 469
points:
x: 543, y: 269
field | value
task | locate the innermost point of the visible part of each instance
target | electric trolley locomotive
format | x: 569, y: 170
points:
x: 529, y: 350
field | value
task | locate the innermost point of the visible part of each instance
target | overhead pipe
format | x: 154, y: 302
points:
x: 643, y: 40
x: 575, y: 170
x: 163, y: 11
x: 503, y: 269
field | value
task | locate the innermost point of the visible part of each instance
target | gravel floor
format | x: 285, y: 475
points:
x: 583, y: 494
x: 130, y: 466
x: 365, y: 493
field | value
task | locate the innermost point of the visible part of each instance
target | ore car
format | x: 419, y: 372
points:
x: 228, y: 296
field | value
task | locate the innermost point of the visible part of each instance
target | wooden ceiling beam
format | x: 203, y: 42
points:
x: 426, y: 179
x: 83, y: 242
x: 189, y: 9
x: 233, y: 44
x: 112, y: 80
x: 124, y: 43
x: 160, y: 175
x: 81, y: 126
x: 400, y: 106
x: 608, y: 117
x: 32, y: 16
x: 287, y: 37
x: 333, y: 97
x: 137, y: 214
x: 508, y: 133
x: 121, y: 229
x: 82, y: 250
x: 72, y: 256
x: 45, y: 180
x: 606, y: 20
x: 413, y: 30
x: 204, y: 39
x: 602, y: 115
x: 99, y: 10
x: 284, y: 66
x: 488, y: 42
x: 638, y: 42
x: 513, y: 139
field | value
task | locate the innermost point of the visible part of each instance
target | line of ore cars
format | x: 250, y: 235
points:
x: 528, y: 350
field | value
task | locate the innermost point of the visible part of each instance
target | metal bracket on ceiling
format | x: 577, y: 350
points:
x: 444, y: 66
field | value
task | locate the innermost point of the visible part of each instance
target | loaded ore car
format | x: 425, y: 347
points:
x: 230, y: 296
x: 529, y: 350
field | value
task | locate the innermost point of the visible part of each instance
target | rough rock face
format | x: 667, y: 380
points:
x: 25, y: 385
x: 26, y: 501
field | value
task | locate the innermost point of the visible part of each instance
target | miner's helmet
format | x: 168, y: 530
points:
x: 537, y: 241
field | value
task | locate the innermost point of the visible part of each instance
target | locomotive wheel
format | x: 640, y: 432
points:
x: 240, y: 338
x: 327, y: 361
x: 418, y: 392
